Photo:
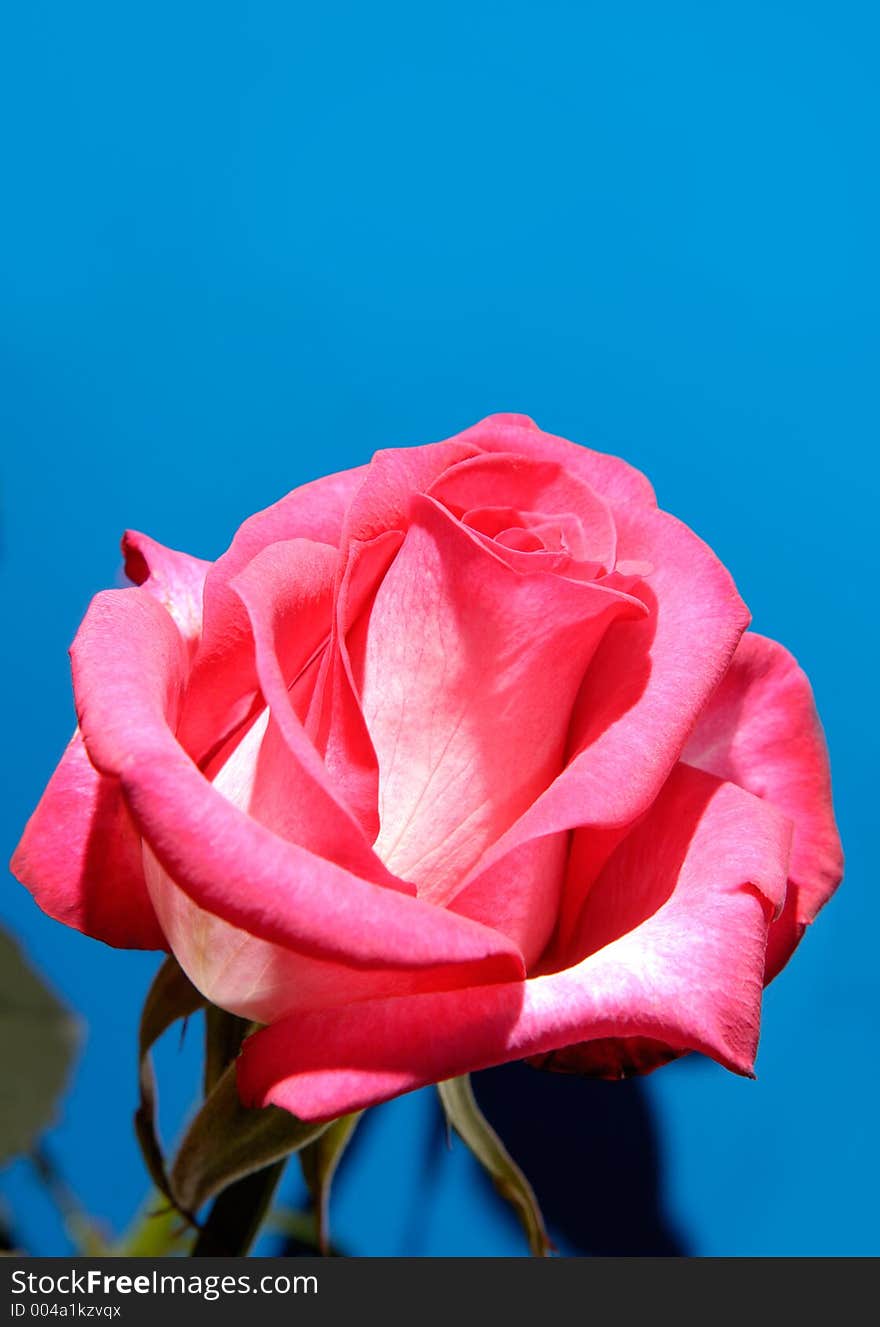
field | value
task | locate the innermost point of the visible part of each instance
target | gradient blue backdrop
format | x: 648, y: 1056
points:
x: 244, y: 244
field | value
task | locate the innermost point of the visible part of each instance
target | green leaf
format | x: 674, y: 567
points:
x: 468, y: 1120
x: 226, y: 1141
x: 319, y: 1161
x: 38, y: 1037
x: 171, y: 996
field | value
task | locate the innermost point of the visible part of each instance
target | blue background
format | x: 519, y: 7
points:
x: 245, y: 244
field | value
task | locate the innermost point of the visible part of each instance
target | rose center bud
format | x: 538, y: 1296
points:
x: 476, y: 645
x: 530, y: 532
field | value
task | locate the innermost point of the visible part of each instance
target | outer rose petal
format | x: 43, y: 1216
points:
x: 761, y: 731
x: 175, y: 579
x: 129, y: 673
x: 616, y: 480
x: 80, y: 854
x: 690, y: 974
x: 80, y: 857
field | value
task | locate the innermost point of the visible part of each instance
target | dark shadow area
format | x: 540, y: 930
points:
x: 591, y: 1152
x: 589, y: 1148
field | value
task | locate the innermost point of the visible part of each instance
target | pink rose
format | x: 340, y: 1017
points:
x: 453, y: 759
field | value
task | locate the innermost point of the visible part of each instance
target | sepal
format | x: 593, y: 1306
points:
x: 468, y: 1121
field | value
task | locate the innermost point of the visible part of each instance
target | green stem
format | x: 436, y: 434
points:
x: 237, y: 1214
x: 156, y: 1232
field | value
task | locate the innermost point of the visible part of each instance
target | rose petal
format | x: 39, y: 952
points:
x: 335, y: 720
x: 391, y: 479
x: 761, y: 730
x: 616, y: 480
x: 224, y: 680
x: 80, y: 854
x: 175, y: 579
x: 80, y: 857
x: 520, y: 894
x: 712, y: 861
x: 524, y: 541
x: 288, y: 592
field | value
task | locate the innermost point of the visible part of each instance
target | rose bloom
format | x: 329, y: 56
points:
x: 456, y: 758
